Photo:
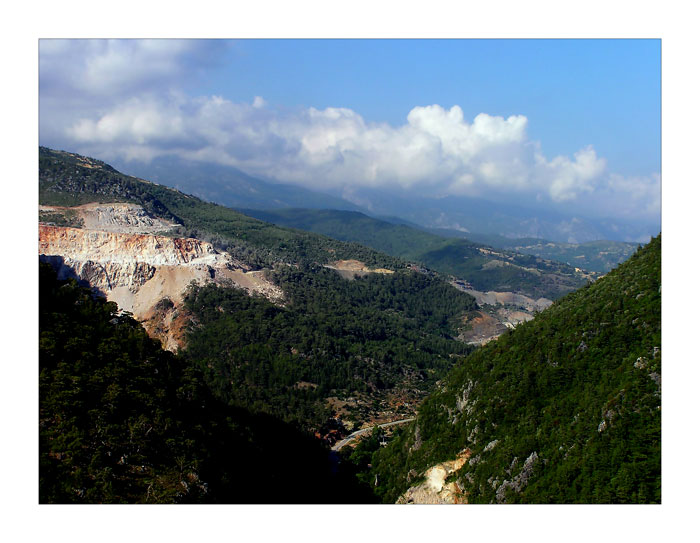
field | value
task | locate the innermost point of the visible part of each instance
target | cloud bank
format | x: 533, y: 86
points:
x: 125, y: 100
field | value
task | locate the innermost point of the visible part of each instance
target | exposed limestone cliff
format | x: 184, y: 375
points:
x: 99, y: 246
x: 434, y: 489
x: 137, y: 271
x: 116, y: 217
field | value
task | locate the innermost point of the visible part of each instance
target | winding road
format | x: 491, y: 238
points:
x: 364, y: 431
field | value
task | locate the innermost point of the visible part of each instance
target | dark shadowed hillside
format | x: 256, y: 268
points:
x: 122, y: 421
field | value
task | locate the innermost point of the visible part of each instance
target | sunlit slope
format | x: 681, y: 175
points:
x: 67, y: 179
x: 563, y: 409
x: 485, y: 268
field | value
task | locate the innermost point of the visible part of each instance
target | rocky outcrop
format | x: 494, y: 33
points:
x: 434, y: 489
x: 481, y: 328
x: 509, y: 299
x: 99, y: 246
x: 115, y: 217
x: 517, y: 483
x: 139, y: 271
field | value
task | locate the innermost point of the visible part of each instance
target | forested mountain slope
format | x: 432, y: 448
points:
x: 371, y: 339
x: 122, y: 421
x: 598, y: 256
x: 362, y: 344
x: 483, y: 267
x: 566, y: 408
x: 67, y: 179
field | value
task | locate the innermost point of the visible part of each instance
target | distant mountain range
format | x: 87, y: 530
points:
x: 450, y: 251
x: 479, y: 215
x: 597, y: 256
x: 229, y: 186
x: 232, y: 187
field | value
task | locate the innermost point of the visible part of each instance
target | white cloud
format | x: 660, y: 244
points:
x: 567, y: 179
x: 140, y: 122
x: 435, y: 152
x: 636, y: 196
x: 112, y: 68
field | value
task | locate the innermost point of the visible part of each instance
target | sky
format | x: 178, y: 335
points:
x: 558, y: 124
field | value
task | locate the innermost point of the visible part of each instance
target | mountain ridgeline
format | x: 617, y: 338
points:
x: 229, y: 186
x: 67, y: 179
x: 566, y: 408
x: 598, y: 256
x: 482, y: 266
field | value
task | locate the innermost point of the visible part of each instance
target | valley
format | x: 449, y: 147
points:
x: 326, y: 272
x: 324, y: 337
x: 565, y: 408
x: 138, y: 259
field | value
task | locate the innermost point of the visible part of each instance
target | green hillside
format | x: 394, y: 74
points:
x: 598, y: 256
x: 122, y: 421
x: 369, y: 339
x: 563, y: 409
x: 366, y: 338
x: 481, y: 266
x: 67, y: 179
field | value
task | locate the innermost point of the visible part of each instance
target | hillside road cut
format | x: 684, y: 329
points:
x: 365, y: 431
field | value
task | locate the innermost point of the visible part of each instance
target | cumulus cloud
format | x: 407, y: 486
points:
x: 435, y: 152
x: 108, y: 68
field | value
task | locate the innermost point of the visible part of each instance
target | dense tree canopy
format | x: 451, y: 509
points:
x: 371, y: 333
x: 122, y: 421
x: 576, y: 391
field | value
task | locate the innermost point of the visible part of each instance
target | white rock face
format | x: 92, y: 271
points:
x: 118, y: 217
x: 137, y: 270
x: 117, y: 248
x: 434, y: 489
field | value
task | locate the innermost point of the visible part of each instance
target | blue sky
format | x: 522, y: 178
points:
x: 574, y: 92
x: 568, y: 124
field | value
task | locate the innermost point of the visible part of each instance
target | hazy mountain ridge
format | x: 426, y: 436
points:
x: 468, y: 214
x: 483, y: 267
x: 598, y: 256
x: 229, y: 186
x: 232, y: 187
